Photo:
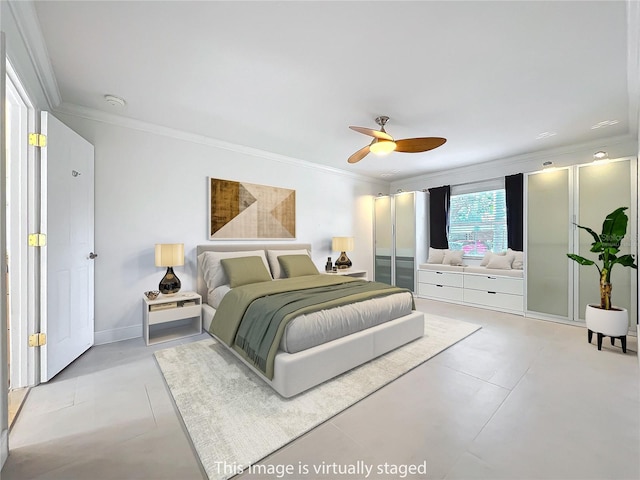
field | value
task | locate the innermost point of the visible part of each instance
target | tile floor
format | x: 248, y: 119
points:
x: 520, y: 399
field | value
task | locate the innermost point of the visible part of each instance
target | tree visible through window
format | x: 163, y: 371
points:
x: 478, y: 222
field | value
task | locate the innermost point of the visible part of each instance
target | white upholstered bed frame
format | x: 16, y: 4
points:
x: 297, y: 372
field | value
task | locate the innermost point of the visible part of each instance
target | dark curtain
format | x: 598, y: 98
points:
x: 439, y: 201
x: 513, y: 186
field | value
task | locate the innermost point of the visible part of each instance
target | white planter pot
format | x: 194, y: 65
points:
x: 613, y: 323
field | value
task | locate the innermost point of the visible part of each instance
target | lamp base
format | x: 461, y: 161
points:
x: 169, y: 284
x: 343, y: 261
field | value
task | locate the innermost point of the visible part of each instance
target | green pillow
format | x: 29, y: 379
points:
x: 245, y: 270
x: 297, y: 265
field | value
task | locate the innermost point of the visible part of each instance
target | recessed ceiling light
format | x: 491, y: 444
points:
x: 600, y: 156
x: 545, y: 135
x: 114, y: 101
x: 604, y: 123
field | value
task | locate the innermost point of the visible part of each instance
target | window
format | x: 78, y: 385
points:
x: 478, y: 222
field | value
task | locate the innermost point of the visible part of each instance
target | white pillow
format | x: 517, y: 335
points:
x: 272, y: 256
x: 518, y: 260
x: 436, y: 255
x: 500, y: 262
x: 211, y: 268
x: 453, y: 257
x: 487, y: 257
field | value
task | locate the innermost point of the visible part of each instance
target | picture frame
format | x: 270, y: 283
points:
x: 248, y: 211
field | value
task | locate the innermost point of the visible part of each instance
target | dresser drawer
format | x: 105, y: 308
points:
x: 491, y: 283
x: 434, y: 277
x: 440, y: 292
x: 494, y: 300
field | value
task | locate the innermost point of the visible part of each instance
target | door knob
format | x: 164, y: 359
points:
x: 93, y: 255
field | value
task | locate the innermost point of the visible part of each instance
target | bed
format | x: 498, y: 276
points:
x: 312, y: 344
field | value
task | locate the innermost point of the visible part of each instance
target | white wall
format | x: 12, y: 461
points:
x: 153, y: 188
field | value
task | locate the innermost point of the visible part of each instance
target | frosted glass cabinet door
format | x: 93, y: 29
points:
x: 548, y: 241
x: 383, y: 239
x: 604, y: 187
x: 405, y: 251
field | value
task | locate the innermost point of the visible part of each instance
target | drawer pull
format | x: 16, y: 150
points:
x: 441, y: 286
x: 438, y: 273
x: 492, y: 293
x: 492, y: 278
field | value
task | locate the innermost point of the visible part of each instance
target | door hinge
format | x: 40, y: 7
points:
x: 37, y: 140
x: 37, y: 339
x: 37, y: 239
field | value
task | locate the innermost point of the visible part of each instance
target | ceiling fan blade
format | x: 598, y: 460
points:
x: 415, y: 145
x: 372, y: 133
x: 359, y: 155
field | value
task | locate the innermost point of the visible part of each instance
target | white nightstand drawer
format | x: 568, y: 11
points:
x: 440, y: 292
x: 171, y: 314
x: 435, y: 277
x: 494, y: 300
x: 490, y: 283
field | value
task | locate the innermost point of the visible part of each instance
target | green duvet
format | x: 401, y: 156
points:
x: 251, y: 318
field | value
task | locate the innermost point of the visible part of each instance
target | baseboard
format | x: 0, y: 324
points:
x: 117, y: 334
x: 4, y: 444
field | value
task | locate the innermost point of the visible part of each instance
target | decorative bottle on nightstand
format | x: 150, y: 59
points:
x: 329, y: 266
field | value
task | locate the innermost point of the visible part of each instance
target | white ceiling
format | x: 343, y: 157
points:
x: 290, y: 77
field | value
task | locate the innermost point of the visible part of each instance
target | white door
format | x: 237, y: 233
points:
x: 67, y: 260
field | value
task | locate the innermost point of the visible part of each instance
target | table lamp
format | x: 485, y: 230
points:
x: 169, y: 255
x: 343, y: 245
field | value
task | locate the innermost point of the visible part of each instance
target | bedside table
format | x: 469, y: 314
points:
x: 349, y: 272
x: 169, y: 317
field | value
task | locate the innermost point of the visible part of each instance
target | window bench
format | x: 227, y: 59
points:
x: 501, y: 290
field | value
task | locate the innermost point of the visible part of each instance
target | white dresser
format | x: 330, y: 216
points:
x: 441, y: 285
x: 495, y: 292
x: 490, y: 290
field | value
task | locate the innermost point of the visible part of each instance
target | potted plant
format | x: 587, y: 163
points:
x: 605, y: 319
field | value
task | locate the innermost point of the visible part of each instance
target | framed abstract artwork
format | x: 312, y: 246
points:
x: 245, y: 211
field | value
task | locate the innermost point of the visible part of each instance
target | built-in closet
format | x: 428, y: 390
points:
x: 556, y: 200
x: 400, y: 237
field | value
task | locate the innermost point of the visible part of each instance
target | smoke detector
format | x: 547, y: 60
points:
x: 114, y: 101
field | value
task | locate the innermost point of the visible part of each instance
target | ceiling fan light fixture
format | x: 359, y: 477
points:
x: 383, y: 143
x: 382, y: 147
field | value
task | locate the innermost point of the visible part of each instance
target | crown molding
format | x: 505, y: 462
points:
x: 26, y: 18
x: 71, y: 109
x: 520, y: 162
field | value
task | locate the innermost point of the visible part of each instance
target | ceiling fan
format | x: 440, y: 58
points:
x: 384, y: 143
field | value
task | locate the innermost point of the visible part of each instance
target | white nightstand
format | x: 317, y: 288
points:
x: 349, y: 272
x: 169, y: 317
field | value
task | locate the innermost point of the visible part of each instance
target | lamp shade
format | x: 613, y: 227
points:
x: 169, y: 254
x: 342, y: 244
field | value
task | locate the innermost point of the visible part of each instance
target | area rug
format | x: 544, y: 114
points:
x: 234, y: 419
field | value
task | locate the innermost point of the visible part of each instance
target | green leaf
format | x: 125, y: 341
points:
x: 596, y: 247
x: 580, y: 260
x: 595, y: 236
x: 611, y: 250
x: 626, y: 261
x: 614, y: 228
